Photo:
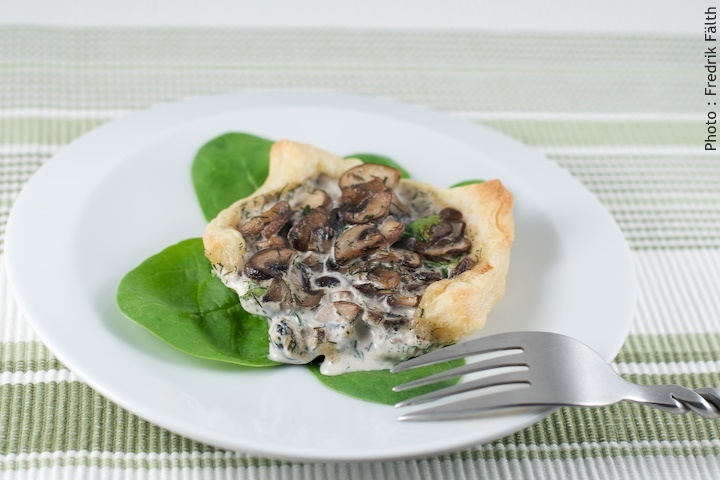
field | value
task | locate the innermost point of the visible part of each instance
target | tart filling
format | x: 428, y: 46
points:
x: 341, y: 263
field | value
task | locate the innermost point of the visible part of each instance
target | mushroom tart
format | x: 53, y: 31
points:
x: 351, y: 263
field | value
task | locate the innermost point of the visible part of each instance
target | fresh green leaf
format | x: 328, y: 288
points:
x: 380, y: 160
x: 376, y: 386
x: 175, y: 295
x: 467, y: 182
x: 421, y: 229
x: 228, y: 168
x: 444, y: 267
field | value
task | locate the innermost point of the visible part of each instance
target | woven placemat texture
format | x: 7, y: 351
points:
x: 624, y: 114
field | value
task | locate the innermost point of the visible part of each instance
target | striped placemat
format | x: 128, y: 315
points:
x: 624, y: 114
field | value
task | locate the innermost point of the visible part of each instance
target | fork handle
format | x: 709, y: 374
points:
x: 677, y: 399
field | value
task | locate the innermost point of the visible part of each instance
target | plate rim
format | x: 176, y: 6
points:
x: 420, y: 115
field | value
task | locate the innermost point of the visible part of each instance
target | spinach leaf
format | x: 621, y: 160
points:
x: 380, y: 160
x: 175, y: 295
x: 421, y: 229
x: 228, y: 168
x: 376, y: 386
x: 467, y: 182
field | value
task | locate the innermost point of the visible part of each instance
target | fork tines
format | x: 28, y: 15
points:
x: 496, y: 343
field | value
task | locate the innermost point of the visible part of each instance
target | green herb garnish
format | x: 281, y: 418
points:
x: 421, y: 229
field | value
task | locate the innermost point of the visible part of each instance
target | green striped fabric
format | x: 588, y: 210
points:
x: 623, y: 114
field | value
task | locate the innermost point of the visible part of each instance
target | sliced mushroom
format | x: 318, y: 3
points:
x: 332, y: 266
x: 384, y: 277
x: 313, y: 263
x: 451, y: 215
x: 315, y: 199
x: 272, y: 242
x: 342, y: 295
x: 421, y: 279
x: 312, y: 232
x: 326, y: 281
x: 336, y: 222
x: 392, y: 229
x: 368, y: 171
x: 337, y: 312
x: 281, y: 214
x: 357, y: 242
x: 394, y: 322
x: 403, y: 258
x: 372, y: 289
x: 269, y: 263
x: 269, y: 223
x: 462, y: 266
x: 252, y: 227
x: 428, y: 276
x: 288, y: 343
x: 446, y: 248
x: 365, y: 202
x: 403, y: 301
x: 303, y: 292
x: 409, y: 259
x: 372, y: 317
x: 279, y: 292
x: 440, y: 230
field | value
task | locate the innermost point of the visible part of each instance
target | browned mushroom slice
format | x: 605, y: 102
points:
x: 316, y: 199
x: 312, y: 232
x: 335, y: 221
x: 428, y: 276
x: 392, y: 229
x: 384, y: 277
x: 368, y: 171
x: 446, y: 248
x: 337, y: 312
x: 394, y: 322
x: 372, y: 289
x: 440, y: 230
x: 343, y: 295
x: 289, y: 343
x: 313, y: 263
x: 269, y: 263
x: 403, y: 258
x: 451, y: 215
x: 252, y: 227
x: 327, y: 281
x: 421, y: 279
x: 462, y: 266
x: 409, y: 259
x: 365, y: 202
x: 402, y: 301
x: 272, y: 242
x: 357, y: 242
x: 281, y: 214
x: 303, y: 292
x: 372, y: 317
x: 269, y: 223
x: 278, y: 291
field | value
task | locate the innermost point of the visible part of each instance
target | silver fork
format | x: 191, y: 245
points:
x: 556, y: 371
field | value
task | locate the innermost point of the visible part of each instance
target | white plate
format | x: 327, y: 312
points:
x: 123, y: 192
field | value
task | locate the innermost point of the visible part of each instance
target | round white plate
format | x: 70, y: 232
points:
x: 123, y: 192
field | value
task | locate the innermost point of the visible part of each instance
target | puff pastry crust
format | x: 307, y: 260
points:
x: 450, y: 308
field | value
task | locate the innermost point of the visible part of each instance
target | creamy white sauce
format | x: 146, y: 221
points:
x: 300, y: 337
x: 360, y: 346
